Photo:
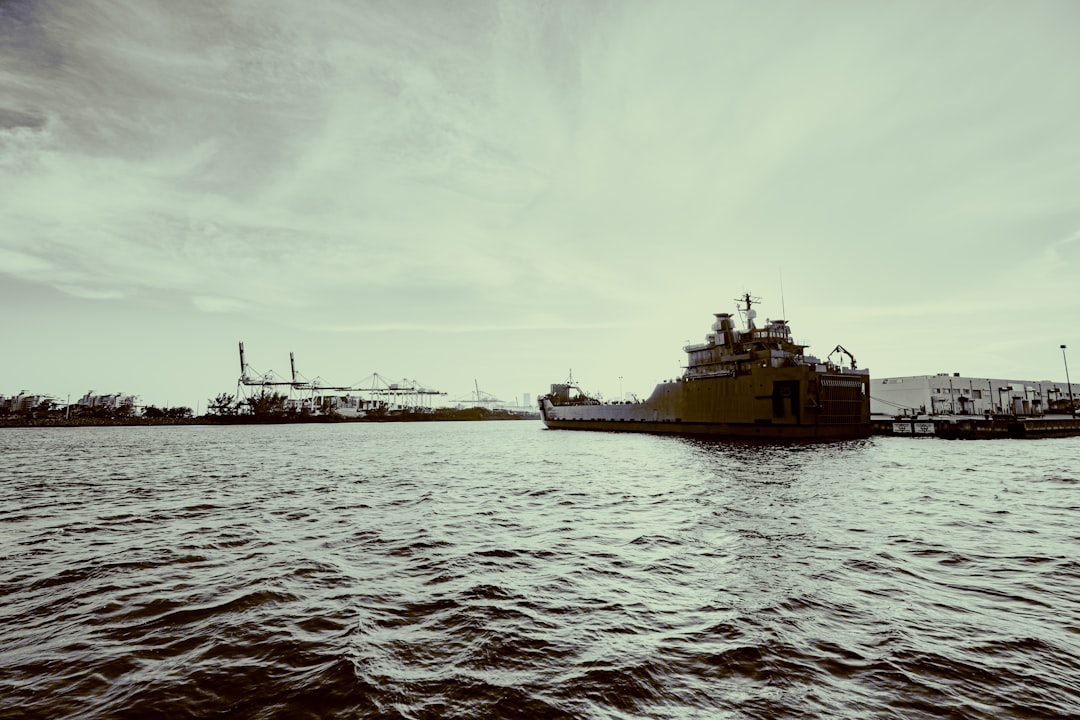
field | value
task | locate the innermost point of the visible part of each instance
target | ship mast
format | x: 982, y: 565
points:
x: 748, y: 312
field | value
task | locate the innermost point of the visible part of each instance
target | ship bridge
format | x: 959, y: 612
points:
x: 726, y: 349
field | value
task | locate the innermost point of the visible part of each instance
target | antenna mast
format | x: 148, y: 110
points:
x: 783, y: 308
x: 748, y: 312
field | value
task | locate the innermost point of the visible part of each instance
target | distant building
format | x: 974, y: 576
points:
x: 945, y: 394
x: 23, y: 402
x: 16, y: 403
x: 112, y: 401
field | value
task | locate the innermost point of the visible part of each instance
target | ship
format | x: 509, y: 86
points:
x: 754, y: 383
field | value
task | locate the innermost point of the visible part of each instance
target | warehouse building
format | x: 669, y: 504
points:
x: 945, y: 394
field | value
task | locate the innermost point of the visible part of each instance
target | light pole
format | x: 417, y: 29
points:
x: 1072, y: 408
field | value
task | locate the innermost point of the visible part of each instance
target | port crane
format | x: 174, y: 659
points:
x: 404, y: 394
x: 249, y: 378
x: 373, y: 391
x: 480, y: 398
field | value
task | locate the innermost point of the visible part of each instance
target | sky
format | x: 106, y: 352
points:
x: 494, y: 194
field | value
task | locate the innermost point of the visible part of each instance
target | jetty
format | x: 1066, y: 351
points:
x: 953, y: 427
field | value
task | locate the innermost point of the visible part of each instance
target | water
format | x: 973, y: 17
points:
x: 487, y: 570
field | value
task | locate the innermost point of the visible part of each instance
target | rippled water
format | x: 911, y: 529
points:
x: 486, y: 570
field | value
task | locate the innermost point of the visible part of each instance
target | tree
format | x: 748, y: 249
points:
x: 265, y: 405
x: 45, y: 408
x: 223, y: 404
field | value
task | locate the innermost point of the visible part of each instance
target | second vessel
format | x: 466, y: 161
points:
x: 752, y: 383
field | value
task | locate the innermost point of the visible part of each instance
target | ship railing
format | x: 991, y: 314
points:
x: 696, y: 374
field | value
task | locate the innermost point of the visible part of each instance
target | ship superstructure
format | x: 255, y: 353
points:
x: 753, y: 383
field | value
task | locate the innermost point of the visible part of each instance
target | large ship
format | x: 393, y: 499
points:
x: 752, y: 383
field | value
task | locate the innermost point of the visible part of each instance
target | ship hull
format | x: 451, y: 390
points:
x: 775, y: 404
x: 719, y: 430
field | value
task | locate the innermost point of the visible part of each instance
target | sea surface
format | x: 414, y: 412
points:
x: 501, y: 570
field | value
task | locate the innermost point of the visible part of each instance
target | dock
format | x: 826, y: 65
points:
x: 952, y: 427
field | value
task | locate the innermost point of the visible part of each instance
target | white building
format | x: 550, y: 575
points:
x: 112, y: 401
x: 23, y: 402
x: 945, y: 394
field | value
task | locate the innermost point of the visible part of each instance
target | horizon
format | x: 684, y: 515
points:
x: 276, y: 380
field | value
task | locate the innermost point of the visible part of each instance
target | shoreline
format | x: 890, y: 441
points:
x: 439, y: 415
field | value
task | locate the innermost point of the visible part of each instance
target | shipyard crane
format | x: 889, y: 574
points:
x: 292, y: 366
x: 480, y: 398
x: 306, y: 390
x: 405, y: 394
x: 375, y: 389
x: 250, y: 377
x: 316, y: 386
x: 841, y: 349
x: 484, y: 397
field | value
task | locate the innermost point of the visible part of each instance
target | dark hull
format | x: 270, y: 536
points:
x: 721, y: 430
x: 792, y: 403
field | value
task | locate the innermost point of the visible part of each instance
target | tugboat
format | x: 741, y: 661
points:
x: 754, y: 383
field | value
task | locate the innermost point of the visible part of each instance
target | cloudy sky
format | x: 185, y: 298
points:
x: 499, y: 192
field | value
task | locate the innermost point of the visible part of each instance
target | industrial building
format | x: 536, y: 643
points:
x: 953, y: 394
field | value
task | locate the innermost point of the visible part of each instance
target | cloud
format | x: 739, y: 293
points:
x: 92, y: 293
x: 509, y: 161
x: 23, y: 264
x: 10, y: 119
x: 220, y: 304
x: 529, y: 324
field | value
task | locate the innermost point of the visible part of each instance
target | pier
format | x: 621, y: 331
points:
x: 952, y: 427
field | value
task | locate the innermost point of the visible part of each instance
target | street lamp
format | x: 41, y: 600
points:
x: 1072, y: 407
